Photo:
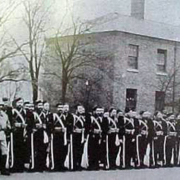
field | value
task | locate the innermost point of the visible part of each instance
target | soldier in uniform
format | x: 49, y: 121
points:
x: 148, y: 119
x: 160, y: 128
x: 104, y: 145
x: 29, y: 107
x: 144, y: 119
x: 86, y: 118
x: 121, y: 133
x: 78, y: 137
x: 102, y: 118
x: 113, y: 138
x: 94, y: 140
x: 130, y: 139
x: 19, y: 132
x: 26, y: 135
x: 60, y: 138
x: 69, y: 119
x: 137, y: 135
x: 40, y: 137
x: 4, y: 126
x: 48, y: 115
x: 170, y: 141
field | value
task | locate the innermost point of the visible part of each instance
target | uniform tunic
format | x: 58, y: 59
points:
x: 18, y: 140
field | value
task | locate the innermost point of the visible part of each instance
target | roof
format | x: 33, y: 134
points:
x: 139, y: 26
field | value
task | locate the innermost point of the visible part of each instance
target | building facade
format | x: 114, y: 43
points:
x: 142, y: 71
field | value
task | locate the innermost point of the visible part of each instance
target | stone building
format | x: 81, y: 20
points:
x: 142, y: 71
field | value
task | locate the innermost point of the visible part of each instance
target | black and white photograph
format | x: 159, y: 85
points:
x: 90, y: 89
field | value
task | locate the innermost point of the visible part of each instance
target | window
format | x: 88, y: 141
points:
x: 161, y: 60
x: 159, y: 100
x: 133, y: 56
x: 131, y: 98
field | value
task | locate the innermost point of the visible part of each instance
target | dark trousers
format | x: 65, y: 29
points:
x: 121, y: 151
x: 93, y: 151
x: 60, y: 151
x: 113, y: 150
x: 130, y: 150
x: 102, y: 150
x: 170, y: 149
x: 28, y: 148
x: 177, y: 150
x: 77, y: 150
x: 19, y: 150
x: 142, y: 148
x: 40, y: 151
x: 159, y: 149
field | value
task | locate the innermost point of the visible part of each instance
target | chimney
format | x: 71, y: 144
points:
x: 137, y: 8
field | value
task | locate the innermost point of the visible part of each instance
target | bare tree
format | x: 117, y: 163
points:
x: 8, y: 50
x: 70, y: 54
x: 35, y: 21
x: 10, y: 73
x: 71, y: 50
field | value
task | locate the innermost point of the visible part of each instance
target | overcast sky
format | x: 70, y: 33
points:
x: 166, y: 11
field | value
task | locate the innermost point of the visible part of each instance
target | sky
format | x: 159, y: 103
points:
x: 164, y: 11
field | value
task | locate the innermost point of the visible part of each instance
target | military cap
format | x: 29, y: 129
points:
x: 38, y: 101
x: 146, y: 114
x: 4, y: 99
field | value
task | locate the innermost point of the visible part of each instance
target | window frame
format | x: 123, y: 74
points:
x: 136, y: 58
x: 131, y: 105
x: 159, y: 100
x: 164, y: 65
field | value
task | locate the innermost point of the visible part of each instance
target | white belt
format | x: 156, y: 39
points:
x: 113, y: 131
x: 144, y: 132
x: 96, y: 131
x: 77, y: 130
x: 159, y: 133
x: 128, y: 131
x: 172, y: 133
x: 40, y: 126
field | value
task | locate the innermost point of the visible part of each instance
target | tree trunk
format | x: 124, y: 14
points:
x: 35, y: 91
x: 64, y: 87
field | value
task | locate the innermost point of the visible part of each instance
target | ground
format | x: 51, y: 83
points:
x: 135, y: 174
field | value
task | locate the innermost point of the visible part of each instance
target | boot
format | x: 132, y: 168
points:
x: 4, y: 171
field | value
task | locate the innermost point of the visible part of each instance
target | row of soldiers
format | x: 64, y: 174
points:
x: 35, y: 139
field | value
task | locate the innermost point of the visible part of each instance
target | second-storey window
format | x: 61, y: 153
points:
x: 133, y: 56
x: 161, y: 60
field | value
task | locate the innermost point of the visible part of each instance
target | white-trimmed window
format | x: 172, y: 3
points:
x: 161, y: 60
x: 133, y: 56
